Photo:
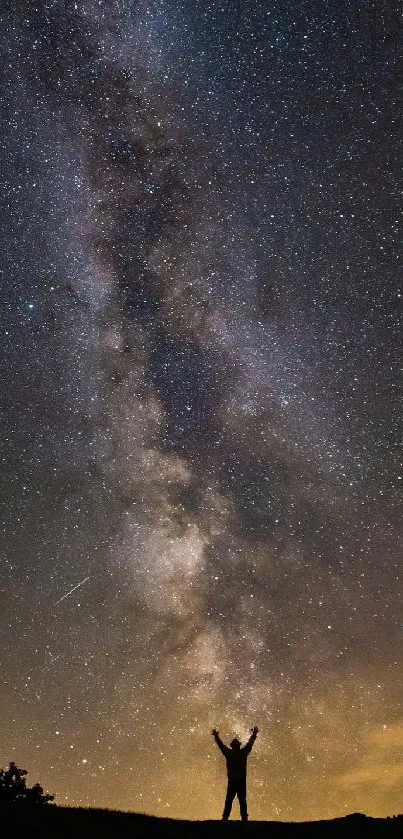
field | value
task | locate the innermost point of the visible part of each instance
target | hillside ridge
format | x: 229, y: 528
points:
x: 79, y: 822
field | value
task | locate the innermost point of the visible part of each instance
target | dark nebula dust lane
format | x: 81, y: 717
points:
x: 201, y: 366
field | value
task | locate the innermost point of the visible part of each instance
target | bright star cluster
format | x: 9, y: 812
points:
x: 201, y: 365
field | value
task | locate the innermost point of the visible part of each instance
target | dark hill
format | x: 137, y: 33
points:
x: 51, y: 822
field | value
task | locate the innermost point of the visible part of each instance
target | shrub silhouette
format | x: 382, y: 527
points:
x: 13, y: 787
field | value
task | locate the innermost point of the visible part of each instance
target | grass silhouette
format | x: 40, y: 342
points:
x: 52, y: 822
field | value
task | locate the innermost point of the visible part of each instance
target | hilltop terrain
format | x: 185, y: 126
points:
x: 77, y: 823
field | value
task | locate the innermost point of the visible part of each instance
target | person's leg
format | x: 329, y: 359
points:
x: 241, y: 792
x: 231, y: 793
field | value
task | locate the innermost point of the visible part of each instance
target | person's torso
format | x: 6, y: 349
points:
x: 236, y: 763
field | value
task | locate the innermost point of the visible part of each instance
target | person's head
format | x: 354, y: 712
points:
x: 235, y: 744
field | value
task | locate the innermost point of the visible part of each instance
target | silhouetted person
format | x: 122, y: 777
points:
x: 236, y: 757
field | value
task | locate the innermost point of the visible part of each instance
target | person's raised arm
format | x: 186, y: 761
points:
x: 219, y: 742
x: 251, y: 740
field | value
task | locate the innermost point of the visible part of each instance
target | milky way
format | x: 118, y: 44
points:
x: 201, y: 365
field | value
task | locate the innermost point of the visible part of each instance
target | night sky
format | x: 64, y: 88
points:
x: 201, y: 367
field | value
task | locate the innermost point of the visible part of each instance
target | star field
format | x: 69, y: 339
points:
x: 201, y: 365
